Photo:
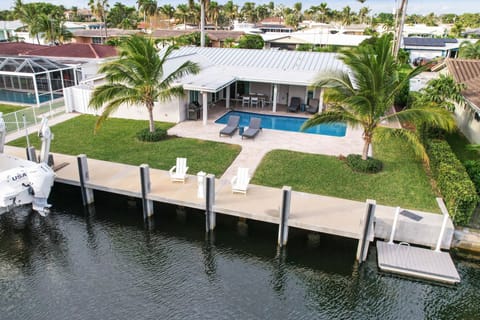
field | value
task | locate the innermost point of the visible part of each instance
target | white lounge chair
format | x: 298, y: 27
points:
x: 240, y: 181
x: 179, y: 171
x: 245, y: 102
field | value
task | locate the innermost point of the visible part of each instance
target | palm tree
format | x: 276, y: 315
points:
x: 364, y: 98
x: 470, y: 50
x: 183, y: 12
x: 138, y: 77
x: 324, y: 10
x: 99, y: 9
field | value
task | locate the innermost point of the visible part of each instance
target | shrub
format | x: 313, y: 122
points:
x: 457, y: 189
x: 356, y: 163
x: 147, y: 136
x: 473, y: 170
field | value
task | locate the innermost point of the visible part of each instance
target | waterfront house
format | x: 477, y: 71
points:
x: 228, y: 75
x: 467, y: 116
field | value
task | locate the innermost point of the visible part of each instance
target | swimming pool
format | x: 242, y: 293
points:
x: 286, y: 123
x: 24, y: 97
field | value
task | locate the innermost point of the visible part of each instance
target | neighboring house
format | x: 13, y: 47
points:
x: 86, y: 57
x: 81, y: 14
x: 230, y: 74
x: 18, y: 48
x: 98, y: 36
x: 430, y: 48
x: 294, y: 39
x: 468, y: 117
x: 273, y: 24
x: 471, y: 33
x: 8, y: 29
x: 217, y: 37
x: 424, y: 31
x: 53, y: 68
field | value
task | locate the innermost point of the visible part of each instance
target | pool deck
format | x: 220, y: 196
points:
x: 253, y: 150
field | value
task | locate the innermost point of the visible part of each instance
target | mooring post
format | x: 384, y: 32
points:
x: 394, y: 226
x: 284, y: 213
x: 364, y: 241
x: 209, y: 202
x: 87, y: 193
x: 444, y: 210
x: 147, y: 205
x: 31, y: 154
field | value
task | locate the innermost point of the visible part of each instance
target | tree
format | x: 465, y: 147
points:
x: 99, y: 9
x: 470, y: 50
x: 365, y: 98
x: 138, y: 77
x: 251, y: 41
x: 168, y: 11
x: 183, y: 12
x: 442, y: 92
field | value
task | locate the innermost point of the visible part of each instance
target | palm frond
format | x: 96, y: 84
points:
x: 382, y: 134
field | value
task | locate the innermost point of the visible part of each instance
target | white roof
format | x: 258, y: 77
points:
x: 11, y: 25
x: 337, y: 39
x: 222, y: 66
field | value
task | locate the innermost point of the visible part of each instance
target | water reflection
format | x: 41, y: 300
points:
x: 105, y: 263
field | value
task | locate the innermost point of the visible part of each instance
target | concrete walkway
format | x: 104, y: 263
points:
x: 253, y: 150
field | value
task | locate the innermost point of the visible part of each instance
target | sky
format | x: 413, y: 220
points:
x: 376, y: 6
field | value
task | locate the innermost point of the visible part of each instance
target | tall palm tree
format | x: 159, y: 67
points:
x: 138, y: 77
x: 364, y: 98
x: 99, y: 9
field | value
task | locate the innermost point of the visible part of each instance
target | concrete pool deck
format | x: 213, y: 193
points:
x: 253, y: 150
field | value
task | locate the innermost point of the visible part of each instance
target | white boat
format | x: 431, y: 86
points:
x: 24, y: 182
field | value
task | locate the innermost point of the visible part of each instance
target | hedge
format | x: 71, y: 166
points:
x: 455, y: 185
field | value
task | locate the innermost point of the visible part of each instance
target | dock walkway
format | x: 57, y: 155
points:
x: 308, y: 211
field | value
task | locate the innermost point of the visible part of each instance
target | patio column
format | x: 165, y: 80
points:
x: 306, y: 96
x: 320, y: 104
x: 275, y: 92
x: 205, y: 107
x: 227, y: 104
x: 36, y: 89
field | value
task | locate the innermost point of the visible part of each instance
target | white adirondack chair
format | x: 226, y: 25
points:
x: 179, y: 171
x: 240, y: 181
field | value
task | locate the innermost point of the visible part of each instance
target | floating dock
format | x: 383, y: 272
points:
x: 417, y: 262
x: 427, y: 264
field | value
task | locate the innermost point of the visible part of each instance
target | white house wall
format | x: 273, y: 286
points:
x: 296, y: 91
x: 77, y: 100
x: 467, y: 123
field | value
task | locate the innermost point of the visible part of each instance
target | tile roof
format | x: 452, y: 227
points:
x: 76, y: 50
x: 101, y: 33
x: 467, y: 72
x: 16, y: 48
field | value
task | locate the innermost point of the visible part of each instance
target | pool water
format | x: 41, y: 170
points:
x: 24, y: 97
x: 286, y: 123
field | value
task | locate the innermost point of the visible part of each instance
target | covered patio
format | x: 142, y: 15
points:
x: 34, y: 80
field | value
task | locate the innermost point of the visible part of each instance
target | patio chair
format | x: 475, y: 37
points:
x: 254, y: 102
x: 245, y: 102
x: 231, y: 126
x: 294, y: 104
x: 240, y: 181
x: 179, y: 171
x: 253, y: 129
x: 312, y: 106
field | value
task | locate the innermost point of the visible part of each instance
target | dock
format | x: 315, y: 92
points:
x: 427, y: 264
x: 283, y: 207
x: 416, y: 262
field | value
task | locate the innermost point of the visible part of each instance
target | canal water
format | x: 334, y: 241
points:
x: 104, y: 264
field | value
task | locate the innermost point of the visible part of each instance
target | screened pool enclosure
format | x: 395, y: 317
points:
x: 31, y: 80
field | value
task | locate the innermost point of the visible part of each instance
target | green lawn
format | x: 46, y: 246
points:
x: 7, y: 108
x: 116, y: 141
x: 403, y: 182
x: 458, y: 143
